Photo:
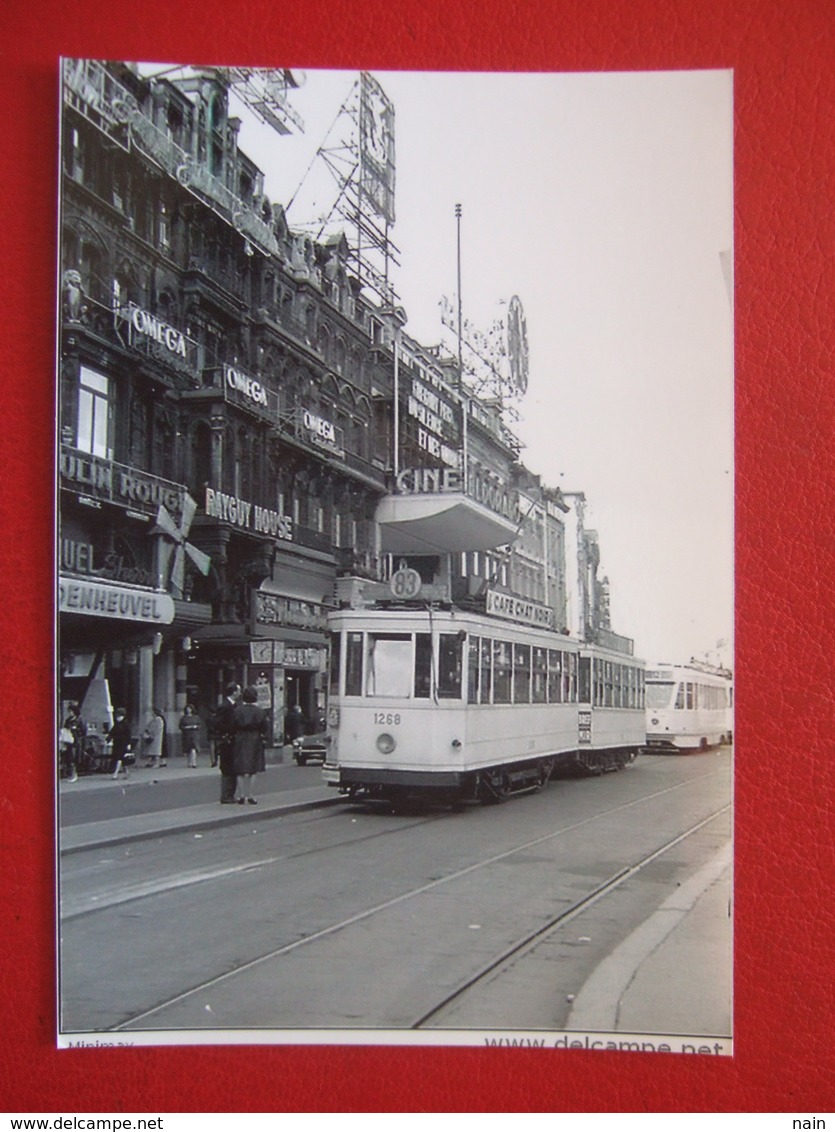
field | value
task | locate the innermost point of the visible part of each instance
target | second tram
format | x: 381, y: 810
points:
x: 689, y: 707
x: 463, y: 706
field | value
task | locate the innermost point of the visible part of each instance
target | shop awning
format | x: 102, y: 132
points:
x: 439, y: 524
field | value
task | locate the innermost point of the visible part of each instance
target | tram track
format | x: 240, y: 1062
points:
x: 534, y: 938
x: 147, y: 889
x: 144, y: 1019
x: 74, y: 907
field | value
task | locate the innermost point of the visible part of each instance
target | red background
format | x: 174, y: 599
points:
x: 782, y: 55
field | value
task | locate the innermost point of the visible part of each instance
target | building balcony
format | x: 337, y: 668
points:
x: 90, y: 89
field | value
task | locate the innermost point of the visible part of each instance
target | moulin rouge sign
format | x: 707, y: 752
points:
x: 99, y: 480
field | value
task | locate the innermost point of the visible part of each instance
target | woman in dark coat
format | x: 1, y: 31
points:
x: 250, y: 726
x: 120, y: 736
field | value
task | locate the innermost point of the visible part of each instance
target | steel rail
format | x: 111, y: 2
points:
x: 532, y: 939
x: 369, y: 913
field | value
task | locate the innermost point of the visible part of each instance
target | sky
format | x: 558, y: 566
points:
x: 605, y: 202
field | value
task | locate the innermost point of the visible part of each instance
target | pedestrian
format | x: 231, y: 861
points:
x: 189, y: 729
x: 154, y: 739
x: 71, y: 739
x: 121, y: 750
x: 250, y: 736
x: 294, y: 723
x: 222, y: 732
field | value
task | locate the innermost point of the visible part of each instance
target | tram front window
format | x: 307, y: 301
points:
x: 659, y: 695
x: 389, y: 665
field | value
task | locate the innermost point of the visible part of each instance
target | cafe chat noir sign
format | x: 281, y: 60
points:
x: 519, y: 609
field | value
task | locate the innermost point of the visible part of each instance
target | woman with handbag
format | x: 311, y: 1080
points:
x: 189, y: 729
x: 250, y: 731
x: 121, y: 752
x: 71, y: 739
x: 153, y: 737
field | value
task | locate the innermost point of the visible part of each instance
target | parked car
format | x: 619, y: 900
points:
x: 308, y: 748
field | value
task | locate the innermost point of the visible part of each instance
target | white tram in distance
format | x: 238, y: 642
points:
x: 461, y: 706
x: 689, y: 707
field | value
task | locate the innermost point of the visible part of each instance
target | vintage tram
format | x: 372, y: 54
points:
x: 463, y: 706
x: 688, y: 707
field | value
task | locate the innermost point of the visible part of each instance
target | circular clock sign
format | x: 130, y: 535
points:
x: 517, y: 344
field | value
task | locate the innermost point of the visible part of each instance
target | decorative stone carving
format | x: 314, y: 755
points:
x: 72, y: 294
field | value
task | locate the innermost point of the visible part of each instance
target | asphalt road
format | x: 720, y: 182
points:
x: 354, y: 918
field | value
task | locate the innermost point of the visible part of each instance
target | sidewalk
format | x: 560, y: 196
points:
x: 673, y: 974
x: 273, y: 801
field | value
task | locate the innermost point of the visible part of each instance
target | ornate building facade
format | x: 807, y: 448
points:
x: 245, y: 436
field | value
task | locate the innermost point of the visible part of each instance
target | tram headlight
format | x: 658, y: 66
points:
x: 386, y: 743
x: 654, y: 722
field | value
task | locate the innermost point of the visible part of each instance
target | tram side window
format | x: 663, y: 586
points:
x: 502, y: 672
x: 689, y: 696
x: 585, y: 680
x: 333, y: 683
x: 353, y: 664
x: 539, y: 676
x: 569, y: 678
x: 554, y: 676
x: 473, y: 671
x: 680, y: 697
x: 521, y: 674
x: 597, y: 682
x: 423, y: 666
x: 486, y: 669
x: 389, y: 665
x: 450, y: 657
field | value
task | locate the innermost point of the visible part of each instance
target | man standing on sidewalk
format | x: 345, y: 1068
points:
x: 224, y: 730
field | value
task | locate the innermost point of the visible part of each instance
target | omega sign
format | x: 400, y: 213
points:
x: 152, y: 327
x: 250, y: 388
x: 319, y: 425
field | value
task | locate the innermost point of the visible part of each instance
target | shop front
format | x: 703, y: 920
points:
x: 290, y: 653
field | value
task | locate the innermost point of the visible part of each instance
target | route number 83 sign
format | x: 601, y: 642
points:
x: 405, y: 583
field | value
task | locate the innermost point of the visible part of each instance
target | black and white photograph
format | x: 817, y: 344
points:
x: 394, y: 558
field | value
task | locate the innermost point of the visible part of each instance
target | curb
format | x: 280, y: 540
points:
x: 77, y: 839
x: 597, y: 1005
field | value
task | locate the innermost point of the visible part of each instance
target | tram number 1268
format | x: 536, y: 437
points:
x: 386, y: 718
